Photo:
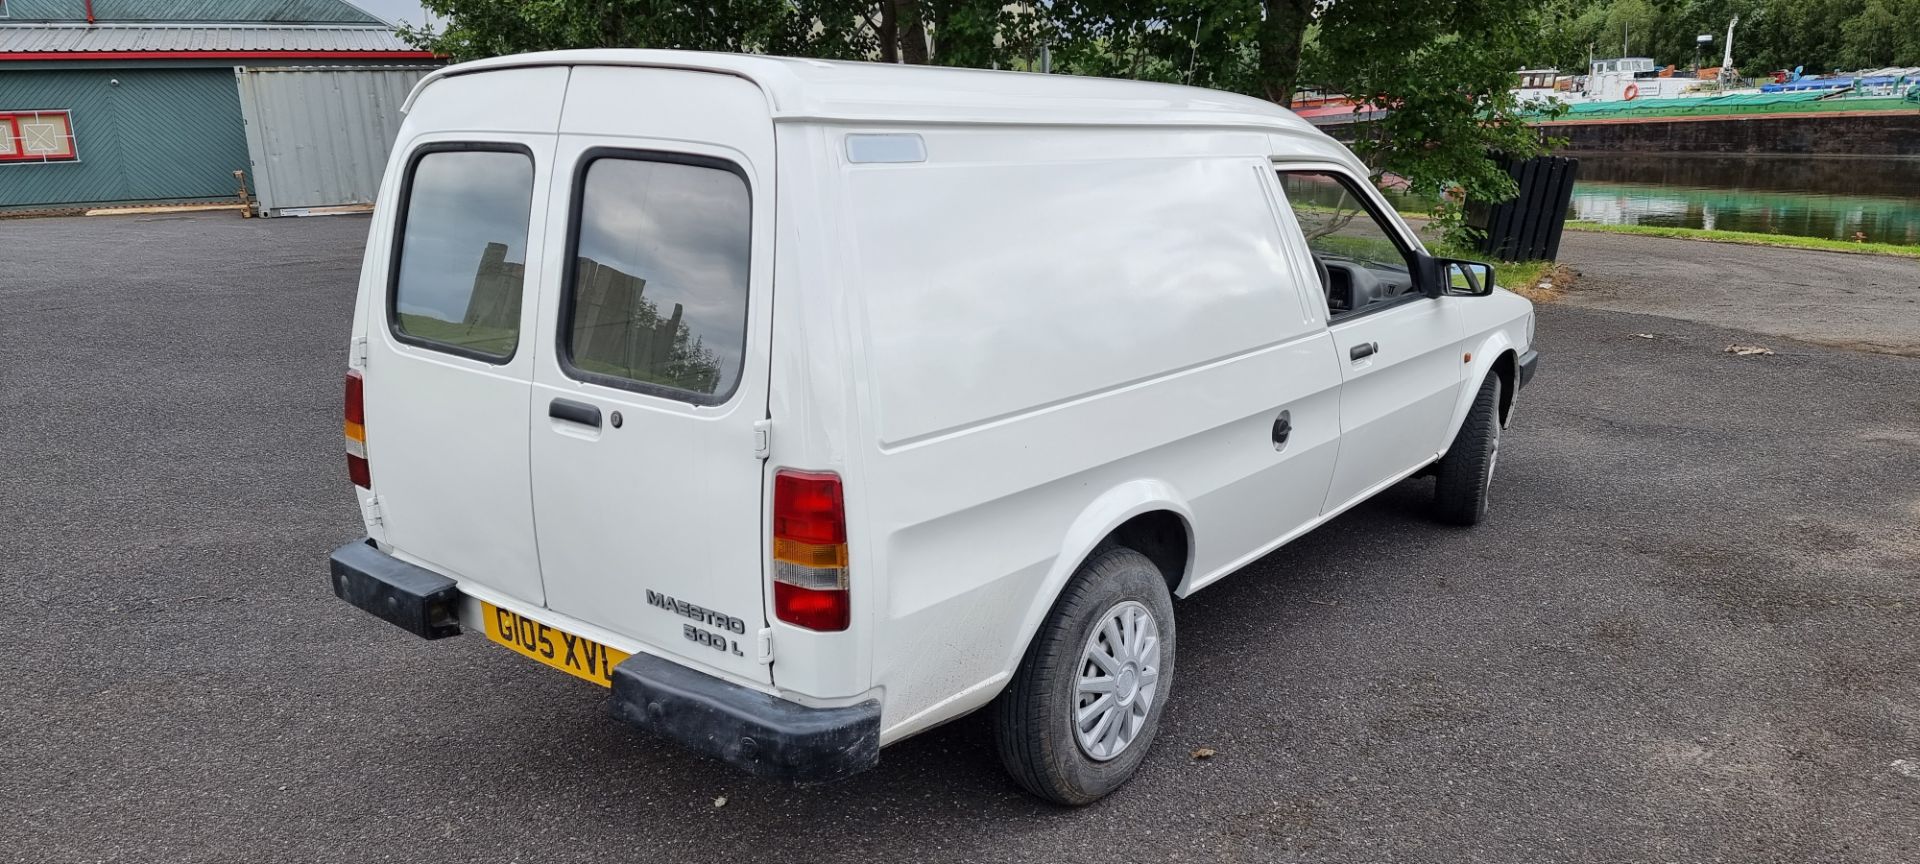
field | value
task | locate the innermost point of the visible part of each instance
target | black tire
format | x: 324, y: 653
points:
x: 1464, y: 475
x: 1033, y: 719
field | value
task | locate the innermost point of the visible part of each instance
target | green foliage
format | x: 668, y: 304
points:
x: 983, y: 34
x: 1882, y: 33
x: 1821, y: 35
x: 1207, y: 43
x: 1443, y: 69
x: 486, y: 28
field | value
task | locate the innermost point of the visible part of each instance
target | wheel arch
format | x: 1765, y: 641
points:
x: 1148, y: 516
x: 1488, y: 357
x: 1507, y: 366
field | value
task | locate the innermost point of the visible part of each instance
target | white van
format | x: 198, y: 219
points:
x: 808, y: 406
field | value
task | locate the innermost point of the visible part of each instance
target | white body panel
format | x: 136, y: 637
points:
x: 668, y: 502
x: 450, y: 432
x: 1395, y: 403
x: 1145, y: 338
x: 1039, y: 307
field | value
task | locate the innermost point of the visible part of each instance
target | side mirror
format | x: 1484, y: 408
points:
x: 1460, y: 277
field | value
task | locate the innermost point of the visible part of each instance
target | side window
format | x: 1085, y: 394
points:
x: 462, y: 254
x: 1361, y: 260
x: 657, y: 299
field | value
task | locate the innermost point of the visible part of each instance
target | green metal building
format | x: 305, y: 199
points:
x: 140, y: 101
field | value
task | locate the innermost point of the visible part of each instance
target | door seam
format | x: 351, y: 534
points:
x: 533, y: 512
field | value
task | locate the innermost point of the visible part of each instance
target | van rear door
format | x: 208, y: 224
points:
x: 449, y: 341
x: 652, y: 369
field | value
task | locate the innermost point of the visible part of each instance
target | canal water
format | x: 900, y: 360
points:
x: 1841, y: 198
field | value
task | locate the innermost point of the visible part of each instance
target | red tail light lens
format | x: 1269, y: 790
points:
x: 356, y: 431
x: 807, y: 508
x: 810, y: 551
x: 815, y: 610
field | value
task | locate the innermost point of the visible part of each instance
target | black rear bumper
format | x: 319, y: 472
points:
x: 412, y: 598
x: 1529, y: 364
x: 748, y: 729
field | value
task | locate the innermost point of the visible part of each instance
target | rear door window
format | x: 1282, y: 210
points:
x: 461, y: 260
x: 657, y: 298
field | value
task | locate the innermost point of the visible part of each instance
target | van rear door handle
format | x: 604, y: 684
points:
x: 1361, y: 352
x: 574, y: 412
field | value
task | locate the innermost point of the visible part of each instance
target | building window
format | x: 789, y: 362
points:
x: 37, y: 136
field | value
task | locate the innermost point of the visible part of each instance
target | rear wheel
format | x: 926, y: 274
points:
x: 1082, y: 709
x: 1465, y: 474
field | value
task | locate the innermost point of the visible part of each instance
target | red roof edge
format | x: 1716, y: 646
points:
x: 6, y: 56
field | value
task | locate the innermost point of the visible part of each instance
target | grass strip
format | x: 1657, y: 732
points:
x: 1752, y: 238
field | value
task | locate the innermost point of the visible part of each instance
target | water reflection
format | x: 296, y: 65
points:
x: 1839, y: 198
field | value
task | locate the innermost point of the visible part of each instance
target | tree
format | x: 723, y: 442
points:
x: 1443, y: 72
x: 1282, y: 39
x: 1820, y: 35
x: 970, y: 32
x: 1443, y: 69
x: 834, y: 29
x: 1635, y: 24
x: 1883, y: 33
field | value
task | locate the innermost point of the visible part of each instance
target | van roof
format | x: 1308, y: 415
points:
x: 831, y: 90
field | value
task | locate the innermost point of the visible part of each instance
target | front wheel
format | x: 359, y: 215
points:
x: 1081, y: 712
x: 1464, y: 475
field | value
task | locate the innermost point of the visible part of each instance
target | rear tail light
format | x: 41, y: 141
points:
x: 810, y: 551
x: 356, y: 427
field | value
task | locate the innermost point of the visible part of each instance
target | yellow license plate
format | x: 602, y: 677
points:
x: 575, y: 655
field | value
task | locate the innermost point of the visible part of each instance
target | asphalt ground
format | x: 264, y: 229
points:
x: 1845, y: 300
x: 1686, y: 634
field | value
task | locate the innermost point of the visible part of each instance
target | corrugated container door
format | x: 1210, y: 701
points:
x: 320, y: 137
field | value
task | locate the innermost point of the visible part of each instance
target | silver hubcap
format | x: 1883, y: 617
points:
x: 1119, y: 674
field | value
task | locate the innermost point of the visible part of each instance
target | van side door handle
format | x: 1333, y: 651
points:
x: 1361, y: 352
x: 574, y: 412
